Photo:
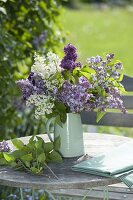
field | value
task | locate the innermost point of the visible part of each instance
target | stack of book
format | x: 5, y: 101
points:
x: 117, y: 163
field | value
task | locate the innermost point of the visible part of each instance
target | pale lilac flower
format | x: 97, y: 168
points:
x: 118, y: 65
x: 110, y: 56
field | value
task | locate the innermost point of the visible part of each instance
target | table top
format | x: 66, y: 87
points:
x: 67, y: 179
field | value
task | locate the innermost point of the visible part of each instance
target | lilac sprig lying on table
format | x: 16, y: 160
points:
x: 4, y: 147
x: 56, y: 87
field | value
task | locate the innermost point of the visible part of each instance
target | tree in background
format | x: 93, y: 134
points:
x: 26, y: 26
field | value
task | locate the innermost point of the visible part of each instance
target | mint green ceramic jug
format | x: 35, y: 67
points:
x: 71, y: 135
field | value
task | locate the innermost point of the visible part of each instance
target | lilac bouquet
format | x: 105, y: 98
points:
x: 56, y: 87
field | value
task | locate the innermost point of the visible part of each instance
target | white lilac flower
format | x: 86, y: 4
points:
x: 43, y: 104
x: 38, y: 66
x: 46, y: 66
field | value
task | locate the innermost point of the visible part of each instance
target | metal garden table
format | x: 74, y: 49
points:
x: 67, y: 179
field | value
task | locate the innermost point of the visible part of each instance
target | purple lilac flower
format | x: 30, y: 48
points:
x: 26, y: 88
x: 84, y: 83
x: 32, y: 85
x: 114, y: 99
x: 98, y: 59
x: 118, y: 65
x: 94, y: 60
x: 91, y: 60
x: 68, y: 62
x: 75, y: 97
x: 4, y: 147
x: 110, y: 56
x: 111, y: 100
x: 115, y: 74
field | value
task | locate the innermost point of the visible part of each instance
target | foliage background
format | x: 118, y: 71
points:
x: 26, y: 26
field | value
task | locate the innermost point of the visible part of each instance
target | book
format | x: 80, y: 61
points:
x: 117, y: 163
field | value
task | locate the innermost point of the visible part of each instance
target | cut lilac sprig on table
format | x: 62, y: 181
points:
x: 4, y: 147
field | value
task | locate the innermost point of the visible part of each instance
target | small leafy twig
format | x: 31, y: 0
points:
x: 51, y: 171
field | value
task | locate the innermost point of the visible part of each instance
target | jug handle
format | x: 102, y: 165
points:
x: 48, y: 123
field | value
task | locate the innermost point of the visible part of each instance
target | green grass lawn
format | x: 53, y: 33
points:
x: 95, y: 32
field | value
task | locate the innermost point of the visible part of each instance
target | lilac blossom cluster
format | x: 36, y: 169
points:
x: 34, y: 84
x: 4, y: 147
x: 114, y: 99
x: 93, y: 87
x: 69, y: 60
x: 75, y: 97
x: 104, y: 78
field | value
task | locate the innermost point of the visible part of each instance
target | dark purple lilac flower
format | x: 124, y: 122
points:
x: 4, y: 147
x: 34, y: 84
x: 26, y: 88
x: 69, y: 49
x: 68, y: 62
x: 78, y: 64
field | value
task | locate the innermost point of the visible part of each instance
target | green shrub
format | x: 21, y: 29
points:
x: 26, y: 26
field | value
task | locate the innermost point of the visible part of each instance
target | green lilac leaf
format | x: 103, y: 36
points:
x: 18, y: 153
x: 58, y: 121
x: 100, y: 114
x: 88, y: 70
x: 57, y: 143
x: 8, y: 157
x: 40, y: 139
x: 38, y: 144
x: 76, y: 71
x: 34, y: 170
x: 27, y: 163
x: 48, y: 147
x: 120, y: 78
x: 63, y: 117
x: 86, y: 74
x: 55, y: 156
x: 60, y: 107
x: 3, y: 161
x: 31, y: 139
x: 27, y: 157
x: 41, y: 158
x: 17, y: 143
x: 1, y: 154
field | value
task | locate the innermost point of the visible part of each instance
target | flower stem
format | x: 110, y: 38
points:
x: 21, y: 194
